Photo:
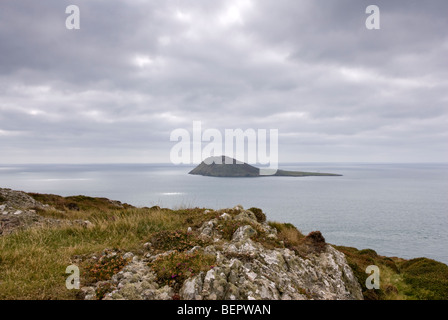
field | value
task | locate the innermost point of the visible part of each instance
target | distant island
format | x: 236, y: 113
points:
x: 228, y: 167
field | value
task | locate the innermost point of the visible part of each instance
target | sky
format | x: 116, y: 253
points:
x: 114, y: 90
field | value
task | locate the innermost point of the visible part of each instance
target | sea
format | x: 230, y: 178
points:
x: 395, y: 209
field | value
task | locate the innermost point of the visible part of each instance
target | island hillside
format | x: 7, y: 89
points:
x: 228, y: 167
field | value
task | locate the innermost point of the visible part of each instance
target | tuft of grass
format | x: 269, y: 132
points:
x: 228, y: 227
x: 287, y: 233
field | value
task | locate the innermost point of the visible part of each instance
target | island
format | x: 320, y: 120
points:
x: 229, y: 167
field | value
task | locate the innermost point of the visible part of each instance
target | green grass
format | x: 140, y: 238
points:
x: 427, y: 278
x: 33, y: 261
x: 78, y: 203
x: 416, y: 279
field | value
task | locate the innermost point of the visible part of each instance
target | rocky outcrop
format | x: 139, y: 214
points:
x: 249, y: 259
x: 18, y: 211
x: 245, y: 269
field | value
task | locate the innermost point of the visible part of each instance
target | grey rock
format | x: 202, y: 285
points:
x: 243, y: 233
x: 246, y: 270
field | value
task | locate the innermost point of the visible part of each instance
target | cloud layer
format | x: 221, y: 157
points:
x: 115, y: 89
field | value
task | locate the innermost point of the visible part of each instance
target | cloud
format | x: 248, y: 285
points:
x: 115, y: 89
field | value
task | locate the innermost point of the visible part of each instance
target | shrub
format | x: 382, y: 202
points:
x: 261, y: 217
x: 315, y: 237
x: 105, y: 267
x: 428, y: 278
x: 103, y: 289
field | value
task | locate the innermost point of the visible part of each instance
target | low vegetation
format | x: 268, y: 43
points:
x: 179, y: 240
x: 33, y: 260
x: 24, y: 252
x: 415, y: 279
x: 104, y: 268
x: 174, y: 268
x: 261, y: 217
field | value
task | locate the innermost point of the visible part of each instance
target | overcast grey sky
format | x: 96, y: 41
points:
x: 136, y: 70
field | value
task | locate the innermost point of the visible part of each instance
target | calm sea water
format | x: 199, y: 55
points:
x: 395, y: 209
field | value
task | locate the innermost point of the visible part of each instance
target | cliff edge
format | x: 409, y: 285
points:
x: 243, y: 265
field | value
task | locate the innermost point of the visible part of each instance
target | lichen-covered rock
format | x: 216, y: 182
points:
x: 14, y: 200
x: 243, y: 233
x: 244, y: 270
x: 18, y: 211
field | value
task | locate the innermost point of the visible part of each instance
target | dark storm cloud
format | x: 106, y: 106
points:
x: 113, y: 90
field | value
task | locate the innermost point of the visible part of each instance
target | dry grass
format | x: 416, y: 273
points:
x: 33, y: 261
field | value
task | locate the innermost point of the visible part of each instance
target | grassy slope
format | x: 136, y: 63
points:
x: 33, y: 261
x: 400, y: 279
